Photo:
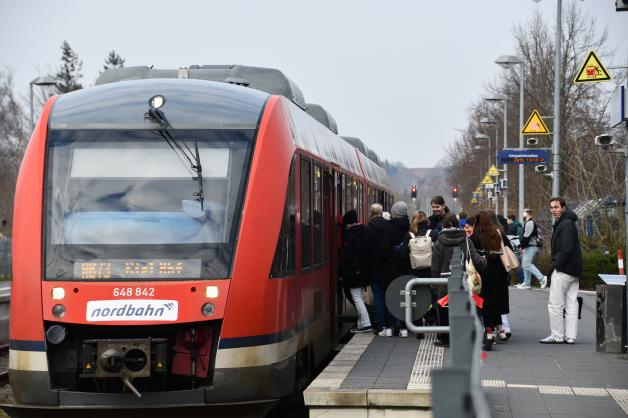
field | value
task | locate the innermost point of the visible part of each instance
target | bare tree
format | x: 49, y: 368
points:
x: 13, y: 138
x: 586, y: 172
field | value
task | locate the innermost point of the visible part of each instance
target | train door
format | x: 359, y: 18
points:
x: 329, y: 228
x: 336, y: 250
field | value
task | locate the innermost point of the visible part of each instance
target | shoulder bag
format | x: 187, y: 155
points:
x: 474, y: 281
x: 508, y: 257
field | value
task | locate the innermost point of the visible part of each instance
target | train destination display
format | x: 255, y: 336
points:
x: 524, y: 156
x: 137, y: 269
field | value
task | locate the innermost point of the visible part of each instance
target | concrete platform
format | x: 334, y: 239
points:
x: 522, y: 378
x: 377, y: 377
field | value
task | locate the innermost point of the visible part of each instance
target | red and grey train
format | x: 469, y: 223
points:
x: 174, y: 241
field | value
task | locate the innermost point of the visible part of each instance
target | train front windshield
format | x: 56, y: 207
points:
x: 123, y: 205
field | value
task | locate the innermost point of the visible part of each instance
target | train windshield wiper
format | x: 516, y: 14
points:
x: 183, y: 152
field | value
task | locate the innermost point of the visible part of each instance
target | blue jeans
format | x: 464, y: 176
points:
x: 379, y: 298
x: 528, y: 267
x: 521, y: 275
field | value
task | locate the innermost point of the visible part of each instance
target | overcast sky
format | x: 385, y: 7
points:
x: 400, y: 74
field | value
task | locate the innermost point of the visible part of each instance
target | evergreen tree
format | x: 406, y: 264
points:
x: 113, y: 60
x: 70, y: 71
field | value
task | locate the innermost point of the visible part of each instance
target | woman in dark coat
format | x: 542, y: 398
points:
x: 488, y: 241
x: 354, y: 267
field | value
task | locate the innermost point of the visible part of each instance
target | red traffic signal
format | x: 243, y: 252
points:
x: 454, y: 192
x: 413, y: 192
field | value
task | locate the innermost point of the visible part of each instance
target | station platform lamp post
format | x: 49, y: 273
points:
x: 508, y: 62
x: 39, y: 81
x: 493, y: 122
x: 505, y: 103
x: 483, y: 137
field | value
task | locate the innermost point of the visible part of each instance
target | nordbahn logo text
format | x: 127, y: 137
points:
x: 132, y: 310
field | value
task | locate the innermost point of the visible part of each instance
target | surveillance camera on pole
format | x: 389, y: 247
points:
x: 532, y: 141
x: 542, y: 168
x: 606, y: 141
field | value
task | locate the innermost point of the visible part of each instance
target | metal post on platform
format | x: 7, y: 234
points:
x: 456, y: 389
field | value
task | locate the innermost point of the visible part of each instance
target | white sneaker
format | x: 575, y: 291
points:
x: 570, y: 340
x: 523, y: 286
x: 403, y: 333
x: 551, y: 340
x: 385, y: 332
x: 544, y: 282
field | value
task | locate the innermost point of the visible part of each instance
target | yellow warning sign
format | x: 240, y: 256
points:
x: 493, y: 171
x: 592, y: 70
x: 535, y: 125
x: 478, y: 191
x: 474, y: 200
x: 487, y: 181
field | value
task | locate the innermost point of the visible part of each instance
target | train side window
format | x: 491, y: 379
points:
x: 306, y: 214
x: 339, y: 200
x: 360, y: 201
x: 348, y: 189
x: 354, y: 200
x: 317, y: 214
x: 327, y: 211
x: 283, y: 263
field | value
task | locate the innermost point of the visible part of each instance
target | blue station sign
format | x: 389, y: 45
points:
x: 524, y: 156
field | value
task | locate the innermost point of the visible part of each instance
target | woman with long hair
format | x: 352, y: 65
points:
x: 488, y: 240
x: 419, y: 227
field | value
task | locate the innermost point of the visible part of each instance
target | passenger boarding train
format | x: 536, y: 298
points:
x: 175, y: 241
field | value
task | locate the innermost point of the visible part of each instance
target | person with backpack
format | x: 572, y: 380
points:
x: 354, y: 267
x: 530, y: 244
x: 418, y: 245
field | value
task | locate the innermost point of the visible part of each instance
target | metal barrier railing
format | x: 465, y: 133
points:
x: 456, y: 389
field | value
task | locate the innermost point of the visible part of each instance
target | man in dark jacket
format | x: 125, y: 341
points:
x: 566, y: 270
x: 379, y: 253
x: 439, y: 211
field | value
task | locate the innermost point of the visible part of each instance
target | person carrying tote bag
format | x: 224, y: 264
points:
x: 508, y: 257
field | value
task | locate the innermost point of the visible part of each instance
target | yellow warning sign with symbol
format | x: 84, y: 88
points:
x: 592, y: 70
x: 487, y: 181
x: 493, y: 171
x: 535, y: 125
x: 478, y: 191
x: 474, y: 200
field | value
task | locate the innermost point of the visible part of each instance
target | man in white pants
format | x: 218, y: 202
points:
x: 566, y: 270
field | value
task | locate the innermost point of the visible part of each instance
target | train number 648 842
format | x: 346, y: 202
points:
x: 134, y: 291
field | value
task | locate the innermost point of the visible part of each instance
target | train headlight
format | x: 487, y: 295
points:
x: 58, y: 310
x: 208, y: 309
x: 58, y: 293
x: 211, y: 292
x: 157, y: 101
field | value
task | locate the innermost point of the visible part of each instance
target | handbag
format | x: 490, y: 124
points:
x: 508, y: 257
x: 474, y: 280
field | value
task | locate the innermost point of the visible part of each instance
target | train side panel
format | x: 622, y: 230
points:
x: 28, y: 363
